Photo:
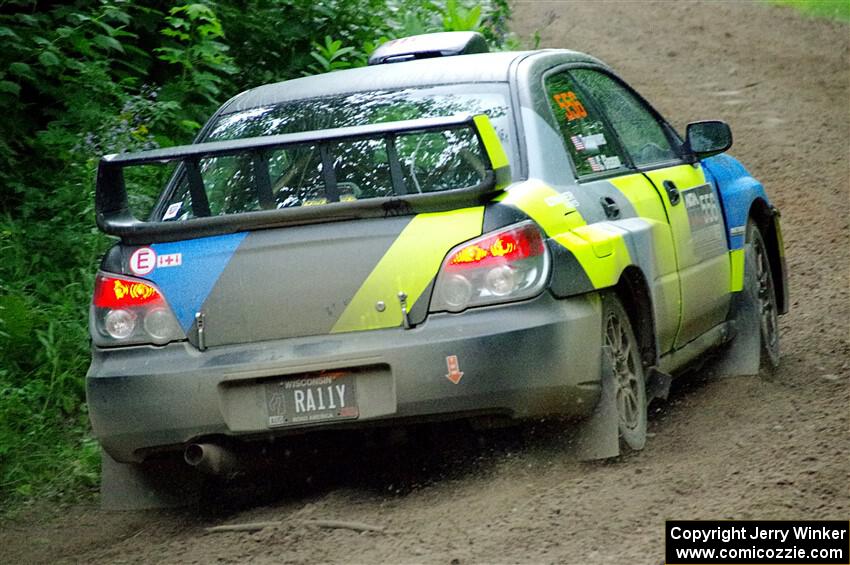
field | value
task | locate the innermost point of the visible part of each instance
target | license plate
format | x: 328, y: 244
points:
x: 313, y: 398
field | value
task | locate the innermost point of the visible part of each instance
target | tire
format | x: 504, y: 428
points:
x: 621, y: 347
x: 761, y: 278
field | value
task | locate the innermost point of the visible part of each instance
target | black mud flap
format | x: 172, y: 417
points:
x: 657, y: 384
x: 743, y: 355
x: 126, y: 486
x: 598, y: 436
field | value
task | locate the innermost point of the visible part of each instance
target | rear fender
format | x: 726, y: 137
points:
x: 597, y: 256
x: 587, y: 256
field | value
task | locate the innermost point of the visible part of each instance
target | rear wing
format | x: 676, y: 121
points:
x: 114, y: 216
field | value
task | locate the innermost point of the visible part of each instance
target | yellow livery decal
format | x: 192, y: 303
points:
x: 545, y: 205
x: 599, y: 248
x: 408, y: 266
x: 649, y: 208
x: 601, y: 251
x: 495, y: 150
x: 736, y: 260
x: 490, y: 138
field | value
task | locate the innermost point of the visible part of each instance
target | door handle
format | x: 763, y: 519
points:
x: 672, y: 192
x: 609, y: 205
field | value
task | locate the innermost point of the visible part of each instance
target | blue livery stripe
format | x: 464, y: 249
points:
x: 187, y: 285
x: 737, y: 189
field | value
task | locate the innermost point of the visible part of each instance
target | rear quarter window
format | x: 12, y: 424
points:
x: 590, y: 142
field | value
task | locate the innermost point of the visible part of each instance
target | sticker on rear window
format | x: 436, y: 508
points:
x: 612, y: 162
x: 172, y: 211
x: 588, y: 142
x: 599, y: 163
x: 571, y: 105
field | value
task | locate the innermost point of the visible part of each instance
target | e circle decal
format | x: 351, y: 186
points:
x: 143, y: 261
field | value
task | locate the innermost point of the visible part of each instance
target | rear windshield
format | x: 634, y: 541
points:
x: 431, y: 161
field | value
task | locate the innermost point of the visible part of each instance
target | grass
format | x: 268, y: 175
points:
x: 831, y: 9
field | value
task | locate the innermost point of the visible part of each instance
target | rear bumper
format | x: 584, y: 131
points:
x: 522, y: 360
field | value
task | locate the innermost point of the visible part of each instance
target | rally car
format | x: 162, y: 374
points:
x: 446, y: 233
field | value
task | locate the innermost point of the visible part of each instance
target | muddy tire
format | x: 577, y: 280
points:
x: 621, y: 346
x: 760, y: 278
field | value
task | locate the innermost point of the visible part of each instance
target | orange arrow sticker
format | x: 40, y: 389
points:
x: 455, y: 374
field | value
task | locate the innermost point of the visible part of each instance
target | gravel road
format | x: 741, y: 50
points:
x: 719, y: 448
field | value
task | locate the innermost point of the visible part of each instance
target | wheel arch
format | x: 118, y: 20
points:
x: 633, y: 291
x: 766, y: 217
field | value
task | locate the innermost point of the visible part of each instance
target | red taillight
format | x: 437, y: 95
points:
x: 129, y: 311
x: 509, y: 264
x: 112, y: 292
x: 519, y: 243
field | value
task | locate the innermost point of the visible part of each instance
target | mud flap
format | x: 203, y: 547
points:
x: 598, y: 436
x: 657, y: 384
x: 126, y: 486
x: 743, y: 354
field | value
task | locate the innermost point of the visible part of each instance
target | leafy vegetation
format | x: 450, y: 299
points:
x: 833, y: 9
x: 88, y: 77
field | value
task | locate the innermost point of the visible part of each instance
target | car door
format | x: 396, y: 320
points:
x: 604, y: 172
x: 690, y: 201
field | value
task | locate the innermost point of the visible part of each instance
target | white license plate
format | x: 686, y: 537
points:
x: 311, y: 398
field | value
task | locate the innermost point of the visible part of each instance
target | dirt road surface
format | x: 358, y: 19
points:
x: 726, y: 448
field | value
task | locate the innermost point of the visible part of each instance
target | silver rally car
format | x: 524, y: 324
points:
x: 446, y: 233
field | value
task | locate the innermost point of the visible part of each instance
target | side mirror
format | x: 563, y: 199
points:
x: 708, y: 138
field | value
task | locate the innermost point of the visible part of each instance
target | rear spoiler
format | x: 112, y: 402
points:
x: 114, y: 216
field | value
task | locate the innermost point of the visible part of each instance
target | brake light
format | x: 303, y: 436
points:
x: 128, y: 311
x: 510, y: 264
x: 112, y: 292
x: 512, y: 245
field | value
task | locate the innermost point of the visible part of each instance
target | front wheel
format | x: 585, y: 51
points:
x: 760, y: 277
x: 621, y: 347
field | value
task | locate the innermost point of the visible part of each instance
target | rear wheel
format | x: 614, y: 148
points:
x: 621, y: 347
x: 760, y: 277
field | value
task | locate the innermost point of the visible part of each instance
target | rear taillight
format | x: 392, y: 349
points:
x: 502, y: 266
x: 129, y: 311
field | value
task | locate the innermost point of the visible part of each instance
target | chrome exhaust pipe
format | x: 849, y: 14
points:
x: 211, y: 459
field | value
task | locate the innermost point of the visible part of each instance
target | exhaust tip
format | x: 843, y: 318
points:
x: 211, y: 458
x: 193, y: 454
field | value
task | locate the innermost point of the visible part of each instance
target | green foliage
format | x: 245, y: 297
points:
x: 833, y: 9
x: 457, y: 17
x: 88, y: 77
x: 330, y: 57
x: 406, y: 18
x: 199, y: 53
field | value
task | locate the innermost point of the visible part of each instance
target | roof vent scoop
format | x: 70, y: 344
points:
x: 429, y: 45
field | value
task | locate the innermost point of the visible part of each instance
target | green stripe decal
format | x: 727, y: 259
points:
x: 736, y: 259
x: 411, y: 263
x: 543, y: 204
x: 495, y: 150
